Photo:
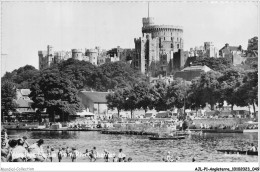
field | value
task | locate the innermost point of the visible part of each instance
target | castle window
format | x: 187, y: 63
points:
x: 164, y: 38
x: 178, y: 46
x: 171, y: 45
x: 171, y: 38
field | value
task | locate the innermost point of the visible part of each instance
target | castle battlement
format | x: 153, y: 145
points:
x: 162, y: 28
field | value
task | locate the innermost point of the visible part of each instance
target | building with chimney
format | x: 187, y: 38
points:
x: 234, y: 53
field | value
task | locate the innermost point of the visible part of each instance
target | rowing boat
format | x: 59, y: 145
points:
x: 239, y: 152
x: 167, y: 138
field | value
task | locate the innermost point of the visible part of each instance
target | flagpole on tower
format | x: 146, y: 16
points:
x: 148, y: 9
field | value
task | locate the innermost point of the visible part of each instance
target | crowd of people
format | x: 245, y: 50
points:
x: 19, y: 150
x: 89, y: 123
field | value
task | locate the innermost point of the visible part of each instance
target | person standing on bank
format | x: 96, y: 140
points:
x: 60, y: 153
x: 94, y: 154
x: 121, y: 155
x: 106, y: 156
x: 74, y: 154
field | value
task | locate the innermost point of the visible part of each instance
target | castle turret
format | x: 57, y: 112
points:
x: 92, y: 54
x: 76, y: 54
x: 50, y: 50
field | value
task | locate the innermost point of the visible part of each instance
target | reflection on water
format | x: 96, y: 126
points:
x: 141, y: 149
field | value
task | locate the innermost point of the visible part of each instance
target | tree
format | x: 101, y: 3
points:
x: 159, y: 90
x: 195, y: 96
x: 230, y: 81
x: 144, y: 95
x: 210, y: 88
x: 216, y: 64
x: 119, y: 75
x: 249, y: 89
x: 177, y: 94
x: 8, y: 94
x: 130, y: 100
x: 252, y: 49
x: 82, y: 74
x: 56, y: 93
x: 116, y: 100
x: 22, y: 77
x: 85, y: 75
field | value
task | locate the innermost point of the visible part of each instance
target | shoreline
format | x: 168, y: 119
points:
x: 128, y: 132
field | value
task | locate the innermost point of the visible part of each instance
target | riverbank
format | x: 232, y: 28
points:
x: 150, y: 126
x: 60, y: 129
x: 216, y: 123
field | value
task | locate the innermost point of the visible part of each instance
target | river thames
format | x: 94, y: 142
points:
x: 141, y: 149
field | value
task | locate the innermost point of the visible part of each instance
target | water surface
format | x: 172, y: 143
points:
x: 141, y: 149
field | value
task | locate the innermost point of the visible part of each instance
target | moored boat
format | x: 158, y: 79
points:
x: 239, y: 152
x: 167, y: 138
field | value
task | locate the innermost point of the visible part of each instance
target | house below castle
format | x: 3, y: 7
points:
x: 191, y: 72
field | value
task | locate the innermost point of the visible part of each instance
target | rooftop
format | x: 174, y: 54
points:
x: 188, y: 75
x: 201, y: 68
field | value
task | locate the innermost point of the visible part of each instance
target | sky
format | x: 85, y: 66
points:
x: 28, y: 27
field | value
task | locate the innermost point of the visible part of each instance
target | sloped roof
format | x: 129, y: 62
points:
x: 188, y: 75
x: 193, y: 68
x: 96, y: 97
x: 230, y: 48
x: 24, y: 102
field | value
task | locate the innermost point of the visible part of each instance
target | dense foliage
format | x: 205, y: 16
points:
x: 55, y: 93
x: 8, y: 94
x: 85, y: 75
x: 22, y: 77
x: 213, y: 88
x: 119, y: 75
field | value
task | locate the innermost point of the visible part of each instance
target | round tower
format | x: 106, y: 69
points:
x: 76, y: 54
x: 170, y: 37
x: 92, y: 54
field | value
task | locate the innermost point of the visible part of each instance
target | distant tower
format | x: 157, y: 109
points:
x: 157, y: 47
x: 76, y: 54
x: 92, y: 54
x: 50, y: 50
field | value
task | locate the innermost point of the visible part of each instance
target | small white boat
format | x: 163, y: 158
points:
x: 252, y: 127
